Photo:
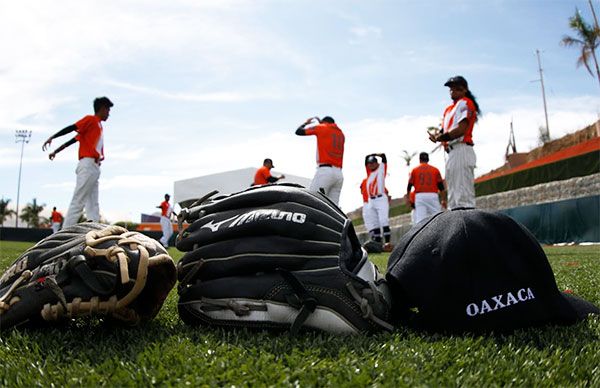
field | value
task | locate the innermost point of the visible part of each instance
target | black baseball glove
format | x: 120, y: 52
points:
x: 277, y: 257
x: 87, y: 269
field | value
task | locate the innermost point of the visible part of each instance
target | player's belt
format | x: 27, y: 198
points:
x: 377, y: 196
x: 450, y: 147
x: 325, y: 165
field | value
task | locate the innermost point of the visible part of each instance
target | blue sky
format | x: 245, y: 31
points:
x: 206, y: 86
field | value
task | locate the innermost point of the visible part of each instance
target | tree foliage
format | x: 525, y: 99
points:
x: 5, y: 212
x: 587, y: 40
x: 31, y: 214
x: 407, y: 156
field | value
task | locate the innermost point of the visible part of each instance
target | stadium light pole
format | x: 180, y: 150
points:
x: 21, y: 136
x: 543, y: 93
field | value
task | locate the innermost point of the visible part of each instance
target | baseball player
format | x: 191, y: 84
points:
x: 91, y: 154
x: 411, y: 203
x: 263, y: 174
x: 328, y: 178
x: 427, y: 181
x: 368, y: 214
x: 378, y: 199
x: 56, y: 219
x: 166, y: 210
x: 457, y: 138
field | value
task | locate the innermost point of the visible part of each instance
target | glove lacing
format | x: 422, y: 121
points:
x: 364, y: 301
x: 115, y: 254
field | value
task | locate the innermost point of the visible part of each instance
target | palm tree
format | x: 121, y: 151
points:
x: 408, y: 156
x: 31, y: 214
x: 5, y: 212
x: 588, y: 38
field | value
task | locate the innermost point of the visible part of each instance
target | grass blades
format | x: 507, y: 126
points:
x: 166, y: 352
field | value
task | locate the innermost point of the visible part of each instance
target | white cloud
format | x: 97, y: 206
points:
x: 362, y: 34
x: 228, y: 96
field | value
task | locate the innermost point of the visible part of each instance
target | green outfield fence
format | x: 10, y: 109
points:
x: 577, y: 166
x: 573, y: 220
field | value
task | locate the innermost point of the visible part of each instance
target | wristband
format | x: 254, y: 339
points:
x: 444, y: 137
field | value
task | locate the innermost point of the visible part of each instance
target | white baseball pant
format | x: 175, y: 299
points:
x: 381, y: 207
x: 167, y: 229
x: 330, y: 180
x: 86, y: 193
x: 370, y: 217
x: 426, y: 204
x: 55, y: 227
x: 460, y: 176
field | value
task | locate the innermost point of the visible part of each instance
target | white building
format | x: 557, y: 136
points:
x: 187, y: 190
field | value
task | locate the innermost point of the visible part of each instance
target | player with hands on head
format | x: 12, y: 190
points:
x: 328, y: 178
x: 263, y: 175
x: 427, y: 181
x: 457, y: 138
x: 91, y: 153
x: 378, y: 198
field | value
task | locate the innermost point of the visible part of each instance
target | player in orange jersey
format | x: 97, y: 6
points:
x: 411, y: 203
x: 457, y: 137
x: 166, y: 210
x: 91, y: 154
x: 328, y: 178
x: 369, y: 215
x: 427, y: 181
x: 378, y: 198
x: 56, y: 218
x: 263, y: 175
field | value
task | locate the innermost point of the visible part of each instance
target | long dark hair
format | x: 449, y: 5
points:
x: 471, y: 97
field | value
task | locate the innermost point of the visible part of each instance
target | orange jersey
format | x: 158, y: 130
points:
x: 365, y: 193
x: 56, y: 217
x: 363, y: 190
x: 90, y: 138
x: 376, y: 180
x: 330, y: 143
x: 425, y: 178
x: 411, y: 197
x: 262, y: 175
x: 164, y: 209
x: 458, y: 111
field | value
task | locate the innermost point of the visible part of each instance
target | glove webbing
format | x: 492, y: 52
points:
x: 115, y: 253
x: 308, y: 303
x: 365, y: 305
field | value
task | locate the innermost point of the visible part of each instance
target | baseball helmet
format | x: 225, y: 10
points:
x: 457, y: 80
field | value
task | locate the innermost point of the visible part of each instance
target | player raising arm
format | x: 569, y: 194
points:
x: 328, y: 178
x: 91, y: 153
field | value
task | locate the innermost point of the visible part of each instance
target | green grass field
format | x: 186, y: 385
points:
x: 167, y: 352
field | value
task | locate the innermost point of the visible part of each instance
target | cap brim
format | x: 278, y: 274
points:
x: 582, y: 307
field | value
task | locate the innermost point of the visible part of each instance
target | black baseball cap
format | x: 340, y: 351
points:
x: 267, y: 160
x: 371, y: 159
x: 469, y: 270
x: 457, y: 80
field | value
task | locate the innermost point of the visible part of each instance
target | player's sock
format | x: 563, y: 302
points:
x: 387, y: 233
x: 376, y: 234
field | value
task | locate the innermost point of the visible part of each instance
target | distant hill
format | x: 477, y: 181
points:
x: 551, y: 147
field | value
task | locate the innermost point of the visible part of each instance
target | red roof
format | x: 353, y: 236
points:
x: 570, y: 152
